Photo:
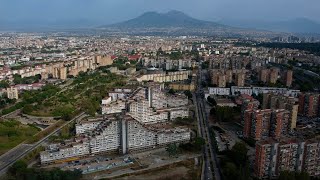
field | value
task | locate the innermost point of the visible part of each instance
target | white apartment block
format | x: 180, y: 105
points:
x: 113, y: 107
x: 219, y: 91
x: 106, y: 137
x: 152, y: 105
x: 241, y: 90
x: 123, y: 134
x: 163, y: 77
x: 176, y: 135
x: 65, y: 152
x: 139, y: 137
x: 235, y: 90
x: 87, y: 126
x: 179, y: 112
x: 144, y: 126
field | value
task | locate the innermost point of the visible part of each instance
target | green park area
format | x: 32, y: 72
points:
x: 12, y: 133
x: 83, y: 95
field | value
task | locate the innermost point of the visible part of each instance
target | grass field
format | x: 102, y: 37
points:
x: 12, y: 133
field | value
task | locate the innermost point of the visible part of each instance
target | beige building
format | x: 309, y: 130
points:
x: 240, y: 79
x: 165, y: 77
x: 12, y: 93
x: 182, y: 87
x: 275, y: 101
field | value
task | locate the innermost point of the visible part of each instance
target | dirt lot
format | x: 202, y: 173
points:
x: 184, y: 170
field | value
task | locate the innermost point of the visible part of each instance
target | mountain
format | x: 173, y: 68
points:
x: 165, y: 20
x: 298, y: 25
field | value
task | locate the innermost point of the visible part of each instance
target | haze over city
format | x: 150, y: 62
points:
x: 112, y: 11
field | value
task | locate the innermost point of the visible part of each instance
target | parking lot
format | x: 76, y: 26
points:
x: 95, y: 164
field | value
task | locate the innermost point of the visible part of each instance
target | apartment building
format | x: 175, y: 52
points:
x: 12, y: 93
x: 116, y: 101
x: 287, y: 77
x: 309, y: 104
x: 262, y: 124
x: 144, y: 125
x: 269, y: 75
x: 121, y: 134
x: 113, y: 107
x: 220, y: 78
x: 165, y: 77
x: 311, y: 161
x: 183, y: 86
x: 276, y: 101
x: 61, y: 70
x: 273, y: 156
x: 240, y: 79
x: 152, y: 104
x: 218, y: 91
x: 168, y: 64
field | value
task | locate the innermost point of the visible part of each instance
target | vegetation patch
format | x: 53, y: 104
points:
x: 12, y: 133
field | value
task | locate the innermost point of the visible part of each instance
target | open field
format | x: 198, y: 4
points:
x: 13, y: 133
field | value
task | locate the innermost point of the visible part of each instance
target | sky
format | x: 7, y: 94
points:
x: 112, y: 11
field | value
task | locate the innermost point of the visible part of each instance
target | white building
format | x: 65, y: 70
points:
x: 114, y: 135
x: 219, y: 91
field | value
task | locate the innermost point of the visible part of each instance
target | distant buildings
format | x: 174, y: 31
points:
x: 269, y: 75
x: 287, y: 78
x: 60, y: 70
x: 220, y: 78
x: 235, y: 90
x: 272, y: 76
x: 165, y: 77
x: 273, y: 156
x: 167, y: 64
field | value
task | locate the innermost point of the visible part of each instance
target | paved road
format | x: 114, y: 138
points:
x: 207, y: 173
x: 210, y: 155
x: 20, y: 151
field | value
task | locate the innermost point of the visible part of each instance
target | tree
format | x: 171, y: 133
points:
x: 231, y: 171
x: 224, y: 113
x: 27, y: 109
x: 205, y: 65
x: 172, y: 149
x: 199, y: 142
x: 212, y: 101
x: 65, y: 112
x: 287, y: 175
x: 238, y: 153
x: 302, y: 176
x: 4, y: 84
x: 171, y: 91
x: 188, y: 94
x: 20, y: 171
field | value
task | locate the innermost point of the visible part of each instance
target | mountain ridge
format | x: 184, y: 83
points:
x: 163, y: 20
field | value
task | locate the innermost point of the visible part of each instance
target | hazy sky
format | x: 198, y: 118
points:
x: 110, y: 11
